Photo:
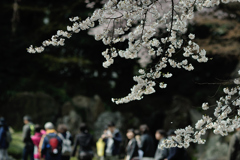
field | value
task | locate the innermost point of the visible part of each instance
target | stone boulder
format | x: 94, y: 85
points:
x: 72, y: 120
x: 104, y: 119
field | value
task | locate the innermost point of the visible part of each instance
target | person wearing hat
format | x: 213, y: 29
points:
x: 5, y: 138
x: 46, y: 146
x: 28, y: 130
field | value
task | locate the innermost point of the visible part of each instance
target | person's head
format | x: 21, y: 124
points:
x: 137, y: 132
x: 171, y: 132
x: 105, y: 130
x: 160, y: 134
x: 111, y: 127
x: 37, y: 128
x: 83, y: 128
x: 130, y: 133
x: 2, y: 121
x: 144, y: 129
x: 48, y: 126
x: 27, y: 119
x: 62, y: 128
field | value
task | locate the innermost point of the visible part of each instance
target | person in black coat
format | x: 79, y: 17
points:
x: 132, y: 147
x: 147, y: 143
x: 175, y: 153
x: 161, y: 154
x: 84, y: 140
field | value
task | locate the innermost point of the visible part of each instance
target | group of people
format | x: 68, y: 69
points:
x: 50, y: 144
x: 141, y: 145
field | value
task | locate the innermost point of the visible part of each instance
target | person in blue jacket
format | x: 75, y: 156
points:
x: 4, y: 139
x: 48, y: 141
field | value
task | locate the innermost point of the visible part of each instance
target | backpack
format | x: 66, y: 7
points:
x: 66, y: 144
x: 54, y: 145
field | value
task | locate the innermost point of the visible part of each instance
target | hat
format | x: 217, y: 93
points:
x: 49, y: 125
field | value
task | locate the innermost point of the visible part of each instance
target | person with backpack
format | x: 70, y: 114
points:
x: 67, y: 141
x: 85, y: 141
x: 234, y: 146
x: 28, y: 131
x: 51, y: 144
x: 5, y: 139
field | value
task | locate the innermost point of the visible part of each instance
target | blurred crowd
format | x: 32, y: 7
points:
x: 48, y: 143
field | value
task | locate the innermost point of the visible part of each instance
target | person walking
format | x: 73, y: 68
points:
x: 83, y: 140
x: 51, y: 144
x: 36, y: 140
x: 132, y: 146
x: 67, y: 141
x: 147, y: 143
x: 112, y: 140
x: 5, y: 139
x: 28, y: 130
x: 160, y: 154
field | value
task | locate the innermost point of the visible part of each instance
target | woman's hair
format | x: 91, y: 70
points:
x: 131, y: 130
x: 144, y: 128
x: 62, y: 128
x: 83, y: 127
x: 162, y: 132
x: 111, y: 124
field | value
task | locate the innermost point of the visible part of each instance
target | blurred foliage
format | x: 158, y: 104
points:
x: 61, y: 72
x: 16, y: 146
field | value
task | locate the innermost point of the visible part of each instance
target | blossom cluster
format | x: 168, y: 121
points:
x: 118, y: 17
x: 225, y: 119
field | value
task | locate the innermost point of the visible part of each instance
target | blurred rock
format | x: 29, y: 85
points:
x: 215, y: 149
x: 81, y: 109
x: 72, y: 120
x: 104, y: 119
x: 88, y: 108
